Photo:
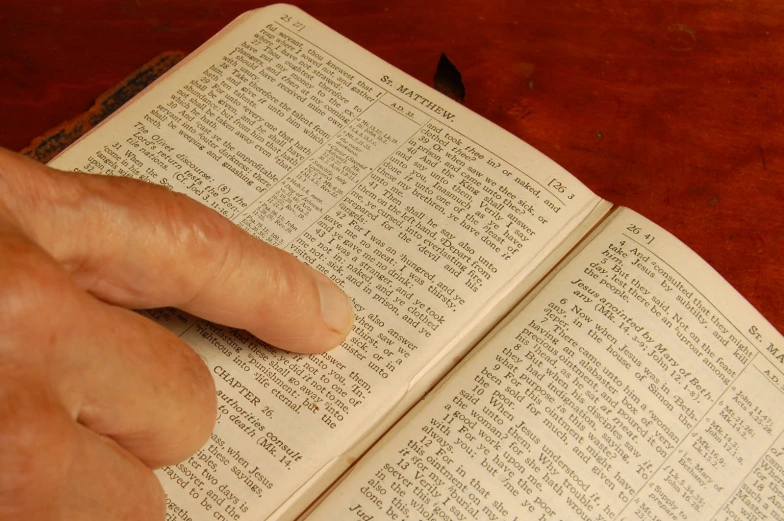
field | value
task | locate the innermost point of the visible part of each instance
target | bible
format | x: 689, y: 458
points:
x: 522, y: 349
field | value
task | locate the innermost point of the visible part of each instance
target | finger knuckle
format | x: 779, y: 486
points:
x: 29, y: 283
x: 198, y: 228
x: 15, y: 182
x: 289, y: 284
x: 203, y: 233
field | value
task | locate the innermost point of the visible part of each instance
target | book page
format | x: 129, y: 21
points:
x: 431, y: 218
x: 635, y: 385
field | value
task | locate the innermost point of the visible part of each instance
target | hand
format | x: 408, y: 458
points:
x: 92, y: 395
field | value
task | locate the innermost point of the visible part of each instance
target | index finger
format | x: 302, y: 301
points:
x: 139, y: 245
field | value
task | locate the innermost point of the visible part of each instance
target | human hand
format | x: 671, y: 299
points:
x: 92, y: 395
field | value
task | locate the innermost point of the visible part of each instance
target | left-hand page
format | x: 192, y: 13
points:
x: 432, y: 219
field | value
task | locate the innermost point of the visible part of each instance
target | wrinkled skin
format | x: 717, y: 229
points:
x: 93, y: 396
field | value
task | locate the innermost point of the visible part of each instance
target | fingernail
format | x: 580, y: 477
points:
x: 335, y: 305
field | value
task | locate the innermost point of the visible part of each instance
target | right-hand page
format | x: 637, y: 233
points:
x: 636, y: 384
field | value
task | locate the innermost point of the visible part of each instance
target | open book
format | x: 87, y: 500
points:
x: 576, y: 361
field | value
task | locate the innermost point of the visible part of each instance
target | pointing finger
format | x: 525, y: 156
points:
x: 140, y: 245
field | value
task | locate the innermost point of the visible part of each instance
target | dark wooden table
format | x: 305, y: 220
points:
x: 673, y: 107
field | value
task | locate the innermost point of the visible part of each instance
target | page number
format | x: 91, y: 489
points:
x: 292, y: 22
x: 560, y: 188
x: 636, y: 230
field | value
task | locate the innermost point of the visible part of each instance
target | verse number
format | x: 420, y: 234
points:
x: 636, y: 230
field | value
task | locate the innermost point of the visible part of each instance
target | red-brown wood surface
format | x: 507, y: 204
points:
x: 673, y: 108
